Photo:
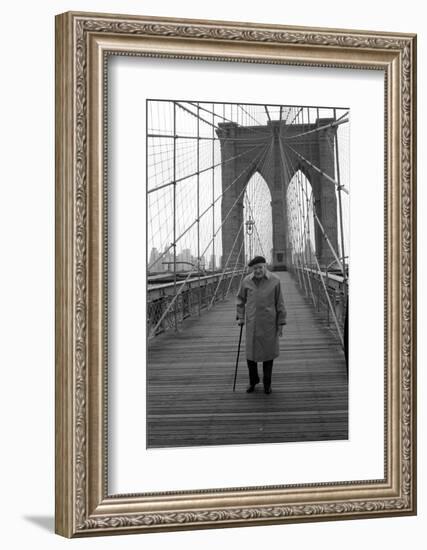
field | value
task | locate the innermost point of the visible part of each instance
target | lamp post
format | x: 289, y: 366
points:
x: 250, y: 232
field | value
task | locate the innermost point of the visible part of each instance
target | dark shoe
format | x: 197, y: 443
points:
x: 267, y: 390
x: 251, y: 387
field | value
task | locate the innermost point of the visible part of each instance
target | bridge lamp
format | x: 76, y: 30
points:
x: 249, y: 231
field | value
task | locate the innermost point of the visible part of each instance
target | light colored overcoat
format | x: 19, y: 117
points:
x: 262, y: 307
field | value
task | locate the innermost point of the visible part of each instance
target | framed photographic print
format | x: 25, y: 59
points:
x: 235, y: 274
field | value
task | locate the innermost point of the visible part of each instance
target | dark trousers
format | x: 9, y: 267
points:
x: 267, y: 368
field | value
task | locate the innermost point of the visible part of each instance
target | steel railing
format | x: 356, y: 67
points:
x: 194, y: 296
x: 328, y: 292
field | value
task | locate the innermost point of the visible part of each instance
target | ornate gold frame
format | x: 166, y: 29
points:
x: 83, y: 506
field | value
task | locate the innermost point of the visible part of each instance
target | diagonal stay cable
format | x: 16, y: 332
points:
x: 340, y: 335
x: 232, y: 121
x: 297, y: 114
x: 260, y: 135
x: 337, y: 122
x: 256, y: 229
x: 316, y: 168
x: 222, y: 163
x: 206, y: 121
x: 288, y: 115
x: 235, y: 266
x: 254, y: 204
x: 249, y: 115
x: 324, y: 284
x: 252, y: 211
x: 172, y: 302
x: 226, y: 264
x: 195, y: 114
x: 207, y: 209
x: 316, y: 217
x: 306, y: 222
x: 298, y: 244
x: 263, y: 160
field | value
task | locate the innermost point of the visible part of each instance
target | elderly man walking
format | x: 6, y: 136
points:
x: 260, y: 304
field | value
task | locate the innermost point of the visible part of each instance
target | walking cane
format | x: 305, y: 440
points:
x: 237, y: 360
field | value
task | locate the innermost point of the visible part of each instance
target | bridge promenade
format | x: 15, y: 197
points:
x: 190, y: 382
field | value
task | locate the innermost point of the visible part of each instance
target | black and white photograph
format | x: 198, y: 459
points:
x: 247, y: 273
x: 214, y: 254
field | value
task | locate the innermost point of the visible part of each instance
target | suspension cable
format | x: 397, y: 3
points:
x: 320, y: 225
x: 203, y: 213
x: 334, y: 124
x: 183, y: 282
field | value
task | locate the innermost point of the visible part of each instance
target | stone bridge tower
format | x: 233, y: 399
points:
x: 239, y: 144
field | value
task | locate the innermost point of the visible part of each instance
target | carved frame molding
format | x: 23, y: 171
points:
x: 83, y: 43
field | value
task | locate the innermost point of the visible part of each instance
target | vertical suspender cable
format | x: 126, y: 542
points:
x: 340, y: 205
x: 174, y: 209
x: 300, y: 121
x: 198, y: 207
x: 213, y: 188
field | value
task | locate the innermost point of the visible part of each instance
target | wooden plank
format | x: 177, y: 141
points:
x: 190, y: 378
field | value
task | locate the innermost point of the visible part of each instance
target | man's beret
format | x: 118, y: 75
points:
x: 257, y: 260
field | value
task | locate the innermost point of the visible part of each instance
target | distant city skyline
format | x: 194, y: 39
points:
x: 185, y: 259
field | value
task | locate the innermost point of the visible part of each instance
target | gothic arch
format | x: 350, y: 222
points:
x: 312, y: 233
x: 266, y: 237
x: 239, y: 143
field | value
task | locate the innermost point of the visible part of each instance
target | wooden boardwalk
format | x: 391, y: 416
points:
x: 190, y: 382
